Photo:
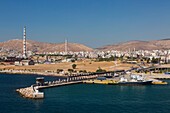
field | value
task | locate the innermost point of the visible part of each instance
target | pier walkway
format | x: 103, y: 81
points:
x: 60, y: 84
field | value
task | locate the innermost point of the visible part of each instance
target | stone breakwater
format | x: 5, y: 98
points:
x: 26, y: 92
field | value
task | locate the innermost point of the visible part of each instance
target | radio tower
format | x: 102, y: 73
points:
x: 66, y: 46
x: 24, y: 44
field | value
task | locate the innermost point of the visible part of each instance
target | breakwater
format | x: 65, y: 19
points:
x: 26, y: 92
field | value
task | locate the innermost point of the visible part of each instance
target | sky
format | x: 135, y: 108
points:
x: 94, y: 23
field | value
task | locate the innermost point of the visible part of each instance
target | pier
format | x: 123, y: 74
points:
x: 30, y: 92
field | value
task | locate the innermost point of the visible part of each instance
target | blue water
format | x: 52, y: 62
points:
x: 83, y: 98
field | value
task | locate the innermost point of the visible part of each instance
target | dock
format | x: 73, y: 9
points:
x: 154, y: 78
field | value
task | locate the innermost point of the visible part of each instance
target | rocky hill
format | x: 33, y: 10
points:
x: 15, y: 45
x: 138, y: 45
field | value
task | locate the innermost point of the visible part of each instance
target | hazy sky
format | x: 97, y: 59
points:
x: 93, y: 23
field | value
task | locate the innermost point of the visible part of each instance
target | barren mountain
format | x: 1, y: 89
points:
x: 138, y: 45
x: 16, y: 45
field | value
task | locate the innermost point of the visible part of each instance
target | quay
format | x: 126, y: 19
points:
x: 154, y: 78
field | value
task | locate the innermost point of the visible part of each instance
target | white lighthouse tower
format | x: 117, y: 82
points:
x: 24, y: 43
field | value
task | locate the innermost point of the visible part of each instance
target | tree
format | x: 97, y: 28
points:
x: 80, y: 71
x: 100, y: 70
x: 72, y: 60
x: 74, y: 66
x: 84, y: 71
x: 161, y: 71
x: 148, y: 60
x: 59, y: 70
x: 155, y: 60
x: 70, y: 70
x: 75, y: 71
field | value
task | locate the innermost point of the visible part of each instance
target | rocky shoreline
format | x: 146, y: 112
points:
x: 26, y: 92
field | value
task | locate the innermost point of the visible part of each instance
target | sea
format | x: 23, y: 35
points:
x: 83, y: 98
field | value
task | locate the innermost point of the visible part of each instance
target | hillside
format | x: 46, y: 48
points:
x: 138, y: 45
x: 15, y: 45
